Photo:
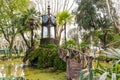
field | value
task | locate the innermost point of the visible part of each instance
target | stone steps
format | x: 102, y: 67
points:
x: 75, y: 68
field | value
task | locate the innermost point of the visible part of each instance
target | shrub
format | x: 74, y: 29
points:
x: 69, y: 43
x: 46, y: 56
x: 59, y: 64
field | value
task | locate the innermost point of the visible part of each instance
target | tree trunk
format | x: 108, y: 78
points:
x: 22, y: 34
x: 10, y: 47
x: 65, y: 31
x: 32, y: 40
x: 105, y: 39
x: 109, y: 11
x: 5, y: 35
x: 59, y: 34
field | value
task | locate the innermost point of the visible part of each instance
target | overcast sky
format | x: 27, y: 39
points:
x: 56, y: 5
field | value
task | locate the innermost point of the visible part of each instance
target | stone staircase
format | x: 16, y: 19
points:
x: 74, y: 69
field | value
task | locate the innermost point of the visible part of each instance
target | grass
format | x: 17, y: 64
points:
x: 44, y: 74
x: 32, y: 73
x: 10, y: 62
x: 103, y: 63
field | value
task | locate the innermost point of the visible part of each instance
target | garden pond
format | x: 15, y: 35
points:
x: 15, y: 68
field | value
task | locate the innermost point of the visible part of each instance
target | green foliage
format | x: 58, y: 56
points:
x: 111, y: 71
x: 93, y: 17
x: 116, y: 38
x: 104, y: 58
x: 25, y: 19
x: 87, y: 15
x: 46, y: 56
x: 90, y: 76
x: 64, y: 17
x: 107, y: 73
x: 84, y: 45
x: 113, y: 53
x: 10, y: 10
x: 59, y: 64
x: 70, y: 43
x: 33, y: 54
x: 102, y: 73
x: 81, y: 75
x: 101, y: 57
x: 86, y: 74
x: 50, y: 46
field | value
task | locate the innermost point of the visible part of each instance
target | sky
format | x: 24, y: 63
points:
x: 56, y: 5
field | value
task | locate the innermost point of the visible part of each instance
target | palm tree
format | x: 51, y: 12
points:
x: 63, y: 18
x: 28, y: 22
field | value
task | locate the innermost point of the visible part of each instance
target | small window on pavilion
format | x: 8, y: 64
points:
x: 45, y: 32
x: 52, y: 32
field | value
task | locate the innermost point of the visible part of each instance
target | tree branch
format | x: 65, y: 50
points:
x: 24, y: 39
x: 5, y: 35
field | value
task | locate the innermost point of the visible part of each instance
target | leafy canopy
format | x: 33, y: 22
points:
x: 92, y: 14
x: 64, y: 17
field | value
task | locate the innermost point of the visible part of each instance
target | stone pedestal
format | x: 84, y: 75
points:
x: 48, y: 41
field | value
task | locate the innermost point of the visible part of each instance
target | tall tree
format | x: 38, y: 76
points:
x: 112, y: 14
x: 63, y: 18
x: 93, y: 15
x: 28, y: 22
x: 9, y: 11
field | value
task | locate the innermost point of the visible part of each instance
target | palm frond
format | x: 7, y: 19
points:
x: 104, y: 76
x: 113, y: 53
x: 113, y: 76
